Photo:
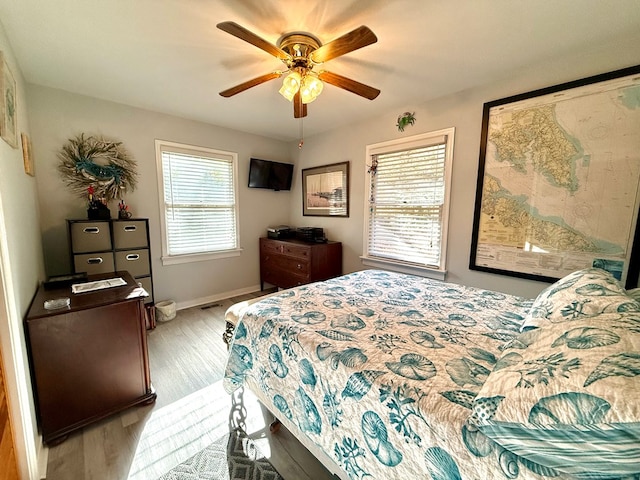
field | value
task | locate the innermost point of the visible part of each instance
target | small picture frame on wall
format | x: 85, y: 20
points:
x: 26, y: 155
x: 8, y: 119
x: 325, y: 190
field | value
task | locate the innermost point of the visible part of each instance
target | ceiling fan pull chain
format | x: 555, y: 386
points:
x: 301, y: 133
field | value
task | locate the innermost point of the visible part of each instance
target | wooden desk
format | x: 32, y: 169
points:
x: 89, y: 360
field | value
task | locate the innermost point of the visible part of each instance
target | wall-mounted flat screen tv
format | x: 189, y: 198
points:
x: 270, y: 174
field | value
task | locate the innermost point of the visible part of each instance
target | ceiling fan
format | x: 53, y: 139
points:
x: 301, y: 52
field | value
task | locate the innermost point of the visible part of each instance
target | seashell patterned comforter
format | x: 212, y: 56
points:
x: 380, y: 371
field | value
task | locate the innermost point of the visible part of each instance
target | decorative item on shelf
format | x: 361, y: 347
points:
x: 98, y: 211
x: 123, y: 210
x: 95, y: 162
x: 407, y: 118
x: 97, y: 208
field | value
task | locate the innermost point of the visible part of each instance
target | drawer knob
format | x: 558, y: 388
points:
x: 299, y: 267
x: 91, y: 230
x: 133, y: 256
x: 94, y: 261
x: 130, y: 228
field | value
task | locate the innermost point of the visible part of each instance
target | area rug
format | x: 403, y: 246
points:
x: 232, y: 457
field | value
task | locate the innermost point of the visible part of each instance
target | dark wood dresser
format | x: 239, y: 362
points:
x: 88, y: 360
x: 288, y: 263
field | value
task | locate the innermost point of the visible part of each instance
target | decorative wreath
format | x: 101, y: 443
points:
x: 94, y: 162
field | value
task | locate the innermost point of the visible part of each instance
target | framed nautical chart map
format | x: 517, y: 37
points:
x: 559, y: 180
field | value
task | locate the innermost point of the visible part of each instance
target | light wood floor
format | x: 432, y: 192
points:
x: 187, y: 358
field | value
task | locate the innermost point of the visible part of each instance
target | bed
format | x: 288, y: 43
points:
x: 385, y: 375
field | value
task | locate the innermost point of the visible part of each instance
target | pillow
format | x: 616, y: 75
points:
x: 579, y: 295
x: 634, y: 293
x: 564, y: 396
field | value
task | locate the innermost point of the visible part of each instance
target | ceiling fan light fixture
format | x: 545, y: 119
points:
x: 290, y: 85
x: 311, y: 87
x: 301, y: 52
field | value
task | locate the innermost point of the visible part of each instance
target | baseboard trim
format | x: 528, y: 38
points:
x: 196, y: 302
x: 43, y: 459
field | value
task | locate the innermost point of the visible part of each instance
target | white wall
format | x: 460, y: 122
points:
x: 464, y: 112
x: 21, y: 269
x: 57, y: 116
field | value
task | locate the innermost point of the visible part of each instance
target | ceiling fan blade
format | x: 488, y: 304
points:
x: 351, y: 85
x: 299, y: 108
x: 250, y: 37
x: 250, y: 83
x: 358, y: 38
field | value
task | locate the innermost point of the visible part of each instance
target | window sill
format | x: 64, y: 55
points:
x: 199, y: 257
x: 405, y: 268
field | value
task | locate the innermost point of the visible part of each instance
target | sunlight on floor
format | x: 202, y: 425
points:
x: 177, y: 431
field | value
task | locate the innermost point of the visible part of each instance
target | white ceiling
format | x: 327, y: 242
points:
x: 168, y: 56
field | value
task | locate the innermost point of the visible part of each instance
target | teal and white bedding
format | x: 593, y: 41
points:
x: 381, y: 372
x: 565, y: 394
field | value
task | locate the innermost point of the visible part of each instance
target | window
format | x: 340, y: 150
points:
x: 199, y: 211
x: 407, y: 203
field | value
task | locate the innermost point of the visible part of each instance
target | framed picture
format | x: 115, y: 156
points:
x: 558, y: 185
x: 8, y: 120
x: 325, y: 190
x: 26, y: 155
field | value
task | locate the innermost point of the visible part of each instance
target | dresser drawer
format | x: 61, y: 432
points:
x: 94, y: 263
x: 270, y: 246
x: 282, y: 278
x: 136, y: 262
x: 129, y: 234
x: 293, y: 265
x: 90, y: 236
x: 298, y: 251
x: 277, y: 247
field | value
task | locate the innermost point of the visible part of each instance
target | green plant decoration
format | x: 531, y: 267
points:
x: 92, y: 162
x: 407, y: 118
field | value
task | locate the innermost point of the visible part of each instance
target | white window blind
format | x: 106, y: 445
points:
x: 199, y: 199
x: 408, y: 202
